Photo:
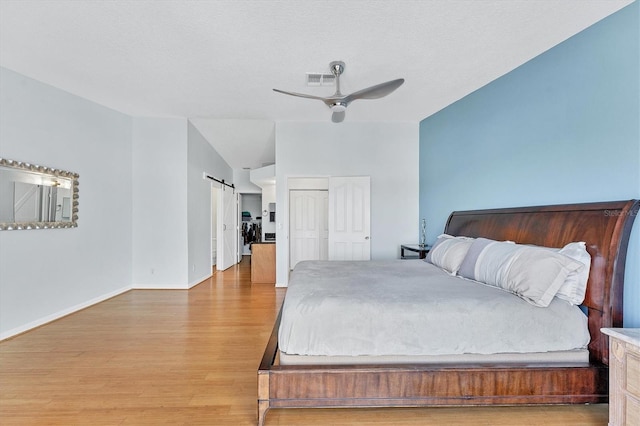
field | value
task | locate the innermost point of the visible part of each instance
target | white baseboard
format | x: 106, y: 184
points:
x: 171, y: 286
x: 199, y: 280
x: 158, y: 287
x: 60, y: 314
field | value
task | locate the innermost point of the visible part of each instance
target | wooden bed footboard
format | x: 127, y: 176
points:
x: 283, y: 386
x: 605, y: 227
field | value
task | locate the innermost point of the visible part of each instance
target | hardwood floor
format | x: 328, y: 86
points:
x: 151, y: 357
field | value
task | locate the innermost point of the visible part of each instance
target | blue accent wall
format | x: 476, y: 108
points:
x: 562, y: 128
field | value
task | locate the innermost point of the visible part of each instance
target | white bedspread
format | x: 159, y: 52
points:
x: 410, y: 307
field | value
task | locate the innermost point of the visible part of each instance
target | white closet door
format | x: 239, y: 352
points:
x: 308, y: 231
x: 350, y: 218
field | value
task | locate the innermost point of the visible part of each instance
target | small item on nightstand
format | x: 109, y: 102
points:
x: 423, y: 233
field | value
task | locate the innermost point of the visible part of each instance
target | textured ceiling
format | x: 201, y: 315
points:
x: 219, y: 59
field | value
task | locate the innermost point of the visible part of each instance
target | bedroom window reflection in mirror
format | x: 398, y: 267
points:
x: 37, y: 197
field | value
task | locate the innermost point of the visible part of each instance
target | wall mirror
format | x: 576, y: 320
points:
x: 37, y: 197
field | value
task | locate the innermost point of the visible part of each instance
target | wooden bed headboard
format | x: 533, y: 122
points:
x: 604, y: 227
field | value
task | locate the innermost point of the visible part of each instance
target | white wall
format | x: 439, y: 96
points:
x: 159, y: 203
x: 388, y: 152
x: 172, y: 203
x: 252, y: 203
x: 243, y: 184
x: 202, y: 158
x: 45, y: 274
x: 145, y: 209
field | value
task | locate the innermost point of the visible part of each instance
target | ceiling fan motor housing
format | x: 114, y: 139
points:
x: 338, y: 106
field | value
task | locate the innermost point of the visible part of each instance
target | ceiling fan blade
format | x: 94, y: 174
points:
x: 375, y: 92
x: 338, y: 116
x: 300, y: 95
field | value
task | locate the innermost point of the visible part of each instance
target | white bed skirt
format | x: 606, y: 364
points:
x: 578, y: 356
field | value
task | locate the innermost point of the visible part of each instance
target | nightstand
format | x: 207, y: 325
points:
x: 624, y: 376
x: 416, y: 248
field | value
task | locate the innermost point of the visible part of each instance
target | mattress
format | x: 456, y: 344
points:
x: 413, y: 308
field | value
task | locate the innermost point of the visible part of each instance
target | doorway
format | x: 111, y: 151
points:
x: 251, y: 222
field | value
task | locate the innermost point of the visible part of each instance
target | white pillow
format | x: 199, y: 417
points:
x: 448, y: 252
x: 574, y: 287
x: 533, y: 273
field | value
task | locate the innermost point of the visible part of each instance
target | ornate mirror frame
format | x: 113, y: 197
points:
x: 47, y: 177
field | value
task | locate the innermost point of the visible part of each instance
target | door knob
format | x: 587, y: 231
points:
x: 366, y: 238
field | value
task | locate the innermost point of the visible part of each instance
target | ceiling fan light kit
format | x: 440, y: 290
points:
x: 338, y: 102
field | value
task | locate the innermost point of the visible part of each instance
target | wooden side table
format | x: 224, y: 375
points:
x: 624, y: 376
x: 416, y: 248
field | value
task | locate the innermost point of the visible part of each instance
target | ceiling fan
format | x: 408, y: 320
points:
x: 339, y: 102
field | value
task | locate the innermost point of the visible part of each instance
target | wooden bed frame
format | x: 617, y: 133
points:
x: 605, y: 227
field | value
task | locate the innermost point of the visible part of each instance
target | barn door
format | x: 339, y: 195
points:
x: 227, y: 228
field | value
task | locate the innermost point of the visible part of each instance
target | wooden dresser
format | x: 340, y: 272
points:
x: 624, y: 376
x: 263, y: 263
